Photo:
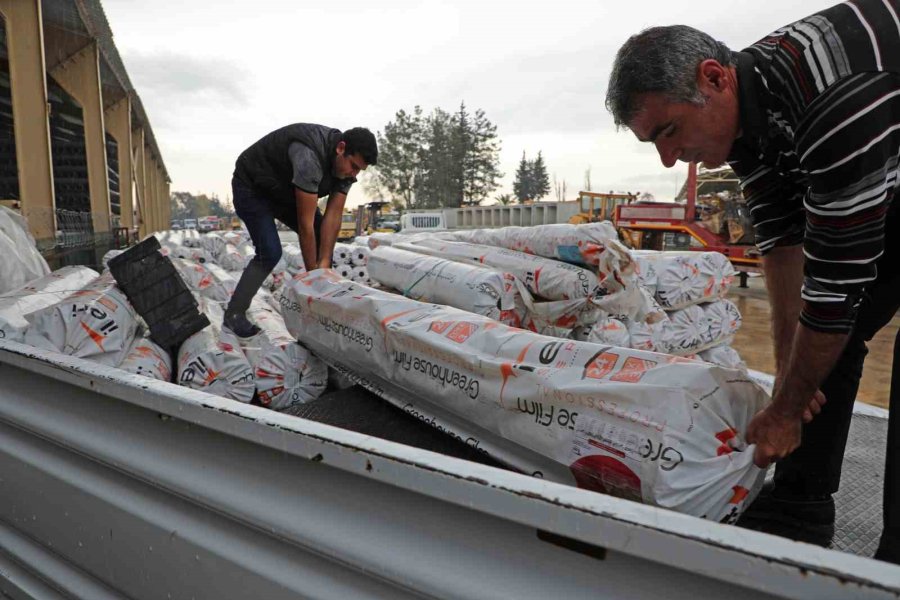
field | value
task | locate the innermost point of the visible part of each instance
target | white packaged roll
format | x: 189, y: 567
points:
x: 109, y: 256
x: 685, y: 278
x: 724, y: 319
x: 577, y: 244
x: 341, y: 255
x: 147, y: 358
x: 191, y: 238
x: 285, y: 372
x: 724, y: 356
x: 16, y: 305
x: 96, y: 322
x: 212, y: 360
x: 213, y: 243
x: 543, y: 277
x: 205, y: 279
x: 652, y: 337
x: 610, y: 331
x: 22, y: 263
x: 689, y: 330
x: 653, y: 428
x: 468, y: 287
x: 359, y: 255
x: 233, y: 258
x: 360, y: 274
x: 345, y: 271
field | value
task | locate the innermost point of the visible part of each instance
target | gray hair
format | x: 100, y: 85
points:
x: 661, y: 60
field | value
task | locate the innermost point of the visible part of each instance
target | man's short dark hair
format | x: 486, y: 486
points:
x: 660, y: 60
x: 360, y: 140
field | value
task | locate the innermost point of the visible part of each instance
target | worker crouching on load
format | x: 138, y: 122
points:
x: 281, y: 177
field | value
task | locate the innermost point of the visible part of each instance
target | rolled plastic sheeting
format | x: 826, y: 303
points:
x: 688, y: 330
x: 344, y: 271
x: 184, y: 252
x: 685, y: 278
x: 213, y: 243
x: 651, y: 337
x: 724, y: 356
x: 610, y: 331
x: 543, y: 277
x: 206, y: 279
x: 464, y: 286
x: 658, y: 429
x: 577, y: 244
x: 724, y: 319
x: 16, y: 305
x: 22, y: 263
x: 359, y: 255
x: 212, y: 360
x: 285, y: 372
x: 146, y: 358
x: 233, y: 258
x: 191, y: 238
x: 360, y: 274
x: 96, y: 322
x: 341, y: 255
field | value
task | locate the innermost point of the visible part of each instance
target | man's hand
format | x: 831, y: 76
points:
x: 814, y: 407
x: 775, y: 434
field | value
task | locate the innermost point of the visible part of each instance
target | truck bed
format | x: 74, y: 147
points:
x: 116, y: 486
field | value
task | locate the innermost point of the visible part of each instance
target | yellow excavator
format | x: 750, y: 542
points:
x: 599, y: 206
x: 369, y: 218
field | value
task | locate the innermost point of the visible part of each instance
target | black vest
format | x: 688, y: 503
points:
x: 266, y: 165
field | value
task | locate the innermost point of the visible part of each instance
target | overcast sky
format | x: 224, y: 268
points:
x: 216, y: 76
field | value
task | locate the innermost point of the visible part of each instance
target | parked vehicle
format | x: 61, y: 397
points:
x: 209, y: 223
x: 176, y: 224
x: 190, y: 223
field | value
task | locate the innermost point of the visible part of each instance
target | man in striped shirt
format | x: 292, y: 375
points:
x: 809, y: 119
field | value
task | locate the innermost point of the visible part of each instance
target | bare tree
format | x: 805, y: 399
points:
x: 587, y: 180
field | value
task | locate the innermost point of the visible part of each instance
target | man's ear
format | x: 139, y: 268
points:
x: 712, y: 76
x: 340, y: 147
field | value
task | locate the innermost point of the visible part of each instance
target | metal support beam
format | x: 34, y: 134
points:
x: 25, y: 44
x: 152, y: 190
x: 118, y: 124
x: 140, y: 187
x: 79, y: 75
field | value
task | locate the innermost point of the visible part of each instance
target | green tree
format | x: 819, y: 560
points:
x: 481, y: 158
x: 400, y: 154
x: 522, y: 184
x: 539, y: 180
x: 504, y: 199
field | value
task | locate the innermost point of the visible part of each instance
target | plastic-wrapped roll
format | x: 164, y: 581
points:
x: 653, y: 337
x: 235, y: 238
x: 212, y: 360
x: 543, y: 277
x: 468, y: 287
x: 359, y: 256
x: 724, y: 356
x: 341, y: 255
x: 724, y: 319
x: 345, y: 271
x: 187, y: 253
x: 147, y: 358
x: 16, y: 305
x: 577, y: 244
x: 206, y: 279
x: 233, y: 259
x: 685, y: 278
x: 360, y: 274
x: 191, y: 238
x: 21, y: 262
x: 96, y: 322
x: 689, y: 330
x: 285, y: 372
x: 213, y: 243
x: 580, y: 413
x: 610, y: 331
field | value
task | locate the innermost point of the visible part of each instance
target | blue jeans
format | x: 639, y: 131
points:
x: 259, y: 215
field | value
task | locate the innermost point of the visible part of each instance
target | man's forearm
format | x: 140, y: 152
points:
x: 308, y: 248
x: 812, y: 357
x: 328, y: 231
x: 783, y: 269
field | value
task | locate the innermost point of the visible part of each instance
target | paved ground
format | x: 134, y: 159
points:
x: 754, y: 343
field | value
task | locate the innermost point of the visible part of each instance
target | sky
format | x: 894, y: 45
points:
x: 216, y: 76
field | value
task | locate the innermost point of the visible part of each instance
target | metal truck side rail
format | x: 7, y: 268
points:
x: 115, y: 485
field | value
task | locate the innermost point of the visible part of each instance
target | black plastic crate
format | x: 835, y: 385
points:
x: 158, y: 294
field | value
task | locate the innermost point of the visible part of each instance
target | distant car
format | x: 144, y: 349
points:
x: 190, y: 223
x: 176, y: 224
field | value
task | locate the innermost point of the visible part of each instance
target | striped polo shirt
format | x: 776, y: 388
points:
x: 819, y: 146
